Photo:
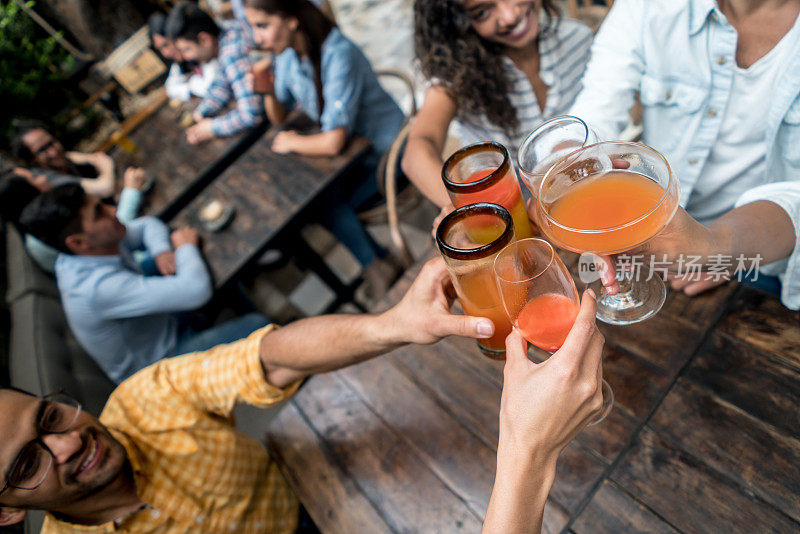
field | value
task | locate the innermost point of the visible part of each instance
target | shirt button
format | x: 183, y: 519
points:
x: 199, y: 519
x: 233, y: 526
x: 692, y: 161
x: 668, y: 95
x: 711, y: 113
x: 155, y: 514
x: 721, y: 60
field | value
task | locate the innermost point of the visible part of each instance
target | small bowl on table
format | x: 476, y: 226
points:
x: 216, y: 215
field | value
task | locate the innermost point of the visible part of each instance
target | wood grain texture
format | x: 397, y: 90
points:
x: 393, y: 477
x: 761, y: 321
x: 612, y: 511
x: 686, y: 493
x: 755, y: 455
x: 179, y: 168
x: 272, y: 195
x: 315, y: 476
x: 754, y: 381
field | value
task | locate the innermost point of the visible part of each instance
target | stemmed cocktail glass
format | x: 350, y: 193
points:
x: 606, y: 199
x: 540, y: 298
x: 548, y: 143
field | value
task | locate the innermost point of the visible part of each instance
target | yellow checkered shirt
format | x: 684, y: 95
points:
x: 195, y: 471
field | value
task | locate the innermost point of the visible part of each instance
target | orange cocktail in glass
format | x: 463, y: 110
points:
x: 539, y: 297
x: 469, y: 238
x: 484, y: 173
x: 610, y: 198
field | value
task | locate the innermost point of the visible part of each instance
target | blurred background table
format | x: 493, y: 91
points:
x: 704, y: 435
x: 180, y: 170
x: 273, y: 195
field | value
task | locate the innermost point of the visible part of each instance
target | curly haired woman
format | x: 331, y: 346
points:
x: 498, y: 68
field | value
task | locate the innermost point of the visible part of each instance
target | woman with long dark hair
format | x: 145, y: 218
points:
x: 319, y: 70
x: 497, y: 69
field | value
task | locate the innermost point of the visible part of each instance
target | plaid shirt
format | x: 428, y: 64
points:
x: 193, y: 469
x: 230, y: 83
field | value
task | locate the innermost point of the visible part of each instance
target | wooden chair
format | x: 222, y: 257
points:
x: 397, y: 202
x: 588, y: 11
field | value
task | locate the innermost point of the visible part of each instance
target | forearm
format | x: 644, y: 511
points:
x: 103, y: 185
x: 276, y: 113
x: 322, y: 144
x: 759, y: 228
x: 326, y: 343
x: 422, y: 163
x: 520, y: 491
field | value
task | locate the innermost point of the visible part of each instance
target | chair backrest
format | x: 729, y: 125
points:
x: 590, y: 12
x: 389, y: 168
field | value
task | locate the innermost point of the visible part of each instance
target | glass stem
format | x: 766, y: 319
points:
x: 624, y: 280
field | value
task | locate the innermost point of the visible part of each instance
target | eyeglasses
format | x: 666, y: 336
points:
x: 56, y: 415
x: 49, y: 144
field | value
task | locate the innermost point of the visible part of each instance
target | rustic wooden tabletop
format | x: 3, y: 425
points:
x: 704, y: 435
x: 271, y: 193
x: 180, y: 170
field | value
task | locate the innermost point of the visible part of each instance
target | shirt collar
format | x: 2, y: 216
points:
x: 699, y: 11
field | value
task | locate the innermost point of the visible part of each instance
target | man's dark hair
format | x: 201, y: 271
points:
x: 187, y: 21
x: 21, y: 129
x: 15, y: 193
x: 55, y: 215
x: 156, y: 24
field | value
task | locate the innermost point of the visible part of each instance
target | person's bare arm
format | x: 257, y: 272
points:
x: 543, y: 406
x: 104, y: 185
x: 329, y: 342
x: 276, y: 113
x: 322, y: 144
x: 422, y: 160
x: 759, y: 228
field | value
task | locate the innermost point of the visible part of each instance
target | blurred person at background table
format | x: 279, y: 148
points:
x: 198, y: 38
x: 720, y: 84
x: 497, y: 69
x: 19, y: 186
x: 320, y: 71
x: 185, y: 78
x: 33, y: 144
x: 164, y: 455
x: 123, y: 318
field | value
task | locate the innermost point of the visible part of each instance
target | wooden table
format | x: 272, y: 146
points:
x: 181, y: 170
x: 704, y: 435
x: 274, y: 195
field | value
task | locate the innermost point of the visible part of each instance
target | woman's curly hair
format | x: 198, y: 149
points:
x: 468, y: 66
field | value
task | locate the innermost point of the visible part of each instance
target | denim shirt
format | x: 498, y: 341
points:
x: 354, y: 99
x: 680, y: 55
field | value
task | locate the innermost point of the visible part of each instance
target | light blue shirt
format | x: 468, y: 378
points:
x: 125, y: 320
x: 354, y: 99
x: 680, y: 55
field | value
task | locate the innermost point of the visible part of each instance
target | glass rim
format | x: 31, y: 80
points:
x: 508, y: 247
x: 480, y: 208
x: 529, y: 138
x: 478, y: 185
x: 640, y: 218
